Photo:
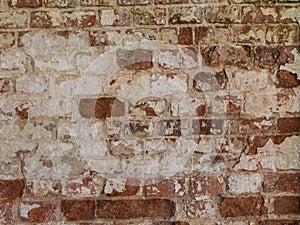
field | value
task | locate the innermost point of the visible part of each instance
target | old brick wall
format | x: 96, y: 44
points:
x: 163, y: 112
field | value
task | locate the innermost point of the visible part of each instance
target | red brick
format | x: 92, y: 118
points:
x: 282, y: 34
x: 249, y: 34
x: 27, y: 3
x: 185, y: 36
x: 289, y: 125
x: 101, y: 108
x: 274, y: 56
x: 287, y: 79
x: 287, y: 205
x: 204, y: 185
x: 166, y: 188
x: 78, y: 209
x: 22, y: 114
x: 11, y: 189
x: 37, y: 212
x: 232, y: 104
x: 208, y: 126
x: 205, y: 81
x: 279, y: 222
x: 6, y: 212
x: 138, y: 59
x: 122, y: 17
x: 127, y: 209
x: 227, y: 56
x: 286, y: 182
x: 255, y: 14
x: 242, y: 206
x: 260, y: 141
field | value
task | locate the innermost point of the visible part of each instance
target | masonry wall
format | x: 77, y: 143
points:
x: 162, y: 112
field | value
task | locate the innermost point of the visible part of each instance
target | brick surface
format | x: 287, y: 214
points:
x: 127, y: 209
x: 242, y: 206
x: 283, y: 182
x: 11, y: 189
x: 78, y: 209
x: 287, y: 205
x: 289, y: 125
x: 27, y: 3
x: 37, y: 212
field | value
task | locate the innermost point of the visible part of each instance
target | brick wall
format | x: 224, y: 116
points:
x: 142, y: 112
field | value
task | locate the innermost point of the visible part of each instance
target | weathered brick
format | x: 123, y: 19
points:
x: 283, y: 182
x: 4, y: 86
x: 11, y: 189
x: 170, y: 128
x: 7, y: 40
x: 166, y: 188
x: 283, y: 34
x: 79, y: 18
x: 208, y: 126
x: 249, y: 34
x: 287, y: 79
x: 239, y: 183
x: 6, y: 212
x: 62, y: 3
x: 26, y: 3
x: 134, y: 2
x: 242, y: 206
x: 232, y: 104
x: 279, y: 222
x: 185, y: 15
x: 289, y: 14
x: 256, y: 142
x: 120, y: 17
x: 259, y: 14
x: 43, y: 188
x: 43, y: 19
x: 227, y: 56
x: 169, y: 59
x: 222, y: 14
x: 101, y: 38
x: 171, y: 223
x: 97, y: 2
x: 252, y: 126
x: 185, y: 36
x: 138, y: 59
x: 78, y: 209
x: 212, y: 35
x: 287, y: 205
x: 207, y: 81
x: 165, y: 2
x: 289, y: 125
x: 37, y: 212
x: 201, y: 207
x: 207, y: 185
x: 127, y: 209
x: 273, y: 56
x: 101, y: 108
x: 132, y: 187
x: 13, y: 19
x: 150, y: 16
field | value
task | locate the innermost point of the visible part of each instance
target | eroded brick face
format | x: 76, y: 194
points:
x: 149, y: 112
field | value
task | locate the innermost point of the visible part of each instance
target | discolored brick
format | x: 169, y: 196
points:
x: 138, y: 59
x: 186, y: 15
x: 26, y: 3
x: 208, y: 126
x: 37, y: 212
x: 207, y: 185
x: 6, y: 212
x: 165, y: 188
x: 101, y: 108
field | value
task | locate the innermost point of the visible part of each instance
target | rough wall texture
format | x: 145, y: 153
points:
x: 141, y: 112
